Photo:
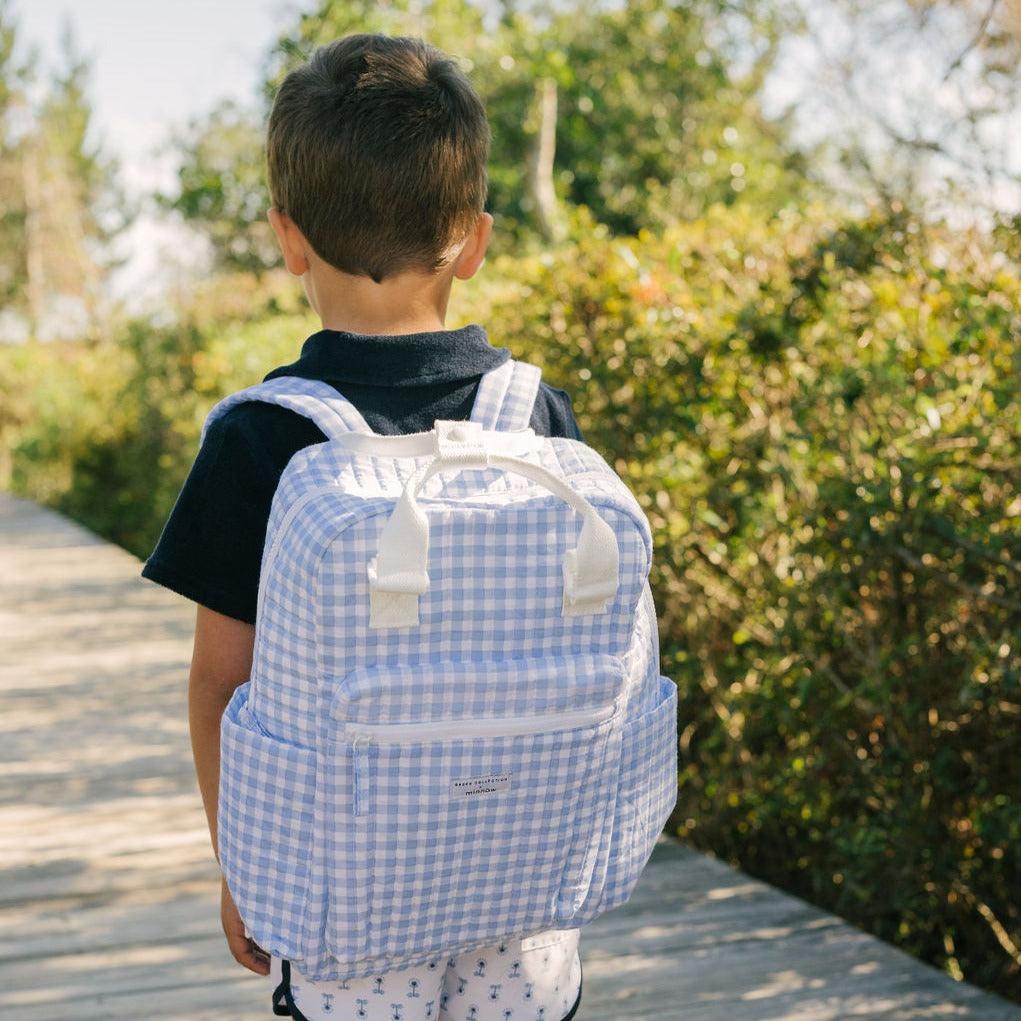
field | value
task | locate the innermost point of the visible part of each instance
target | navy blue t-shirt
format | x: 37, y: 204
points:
x: 210, y: 549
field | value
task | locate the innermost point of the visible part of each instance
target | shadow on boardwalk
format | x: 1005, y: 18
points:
x: 108, y: 889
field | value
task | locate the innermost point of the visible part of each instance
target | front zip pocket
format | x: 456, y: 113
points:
x: 465, y: 729
x: 443, y: 730
x: 471, y: 825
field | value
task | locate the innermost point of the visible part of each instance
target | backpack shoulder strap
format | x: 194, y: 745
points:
x: 312, y: 398
x: 506, y: 396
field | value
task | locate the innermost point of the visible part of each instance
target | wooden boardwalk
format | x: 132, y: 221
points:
x: 108, y: 889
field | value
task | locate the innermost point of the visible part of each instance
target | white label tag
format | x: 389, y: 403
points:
x: 478, y: 786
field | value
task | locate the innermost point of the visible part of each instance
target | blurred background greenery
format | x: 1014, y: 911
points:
x: 793, y: 328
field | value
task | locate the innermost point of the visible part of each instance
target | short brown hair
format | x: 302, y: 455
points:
x: 377, y: 150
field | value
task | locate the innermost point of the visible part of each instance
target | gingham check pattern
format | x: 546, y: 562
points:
x: 316, y: 400
x: 506, y: 396
x: 353, y: 857
x: 451, y: 690
x: 645, y: 797
x: 266, y: 797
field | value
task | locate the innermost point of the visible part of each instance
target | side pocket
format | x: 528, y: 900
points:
x: 265, y: 813
x: 647, y: 793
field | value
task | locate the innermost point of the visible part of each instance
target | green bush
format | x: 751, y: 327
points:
x: 821, y: 420
x: 106, y: 432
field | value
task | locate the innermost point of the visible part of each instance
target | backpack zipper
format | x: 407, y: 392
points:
x: 504, y: 726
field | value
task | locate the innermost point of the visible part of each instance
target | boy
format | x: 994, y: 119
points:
x: 377, y: 152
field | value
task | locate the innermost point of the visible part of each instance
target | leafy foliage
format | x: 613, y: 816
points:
x: 222, y: 187
x: 654, y: 123
x: 822, y: 419
x: 61, y: 202
x: 106, y: 432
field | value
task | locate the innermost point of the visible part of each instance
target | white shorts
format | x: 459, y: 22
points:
x: 537, y: 978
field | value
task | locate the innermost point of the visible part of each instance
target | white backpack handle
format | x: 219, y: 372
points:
x: 398, y: 574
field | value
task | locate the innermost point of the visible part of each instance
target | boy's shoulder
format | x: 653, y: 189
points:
x: 271, y: 431
x: 256, y: 427
x: 250, y: 444
x: 553, y: 414
x: 211, y: 545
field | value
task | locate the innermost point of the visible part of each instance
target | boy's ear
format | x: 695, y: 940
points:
x: 292, y: 241
x: 474, y: 250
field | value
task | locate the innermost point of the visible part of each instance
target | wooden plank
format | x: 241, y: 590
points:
x: 108, y: 889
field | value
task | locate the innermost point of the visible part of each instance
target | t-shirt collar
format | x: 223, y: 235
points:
x: 405, y: 359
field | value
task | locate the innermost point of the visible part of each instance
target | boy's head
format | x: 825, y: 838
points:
x: 376, y: 151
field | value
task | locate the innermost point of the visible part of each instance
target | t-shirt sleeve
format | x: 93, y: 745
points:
x: 553, y: 415
x: 210, y: 549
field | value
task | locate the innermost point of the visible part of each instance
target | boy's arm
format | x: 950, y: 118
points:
x: 221, y: 660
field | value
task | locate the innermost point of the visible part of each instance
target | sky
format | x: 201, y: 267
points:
x: 154, y: 67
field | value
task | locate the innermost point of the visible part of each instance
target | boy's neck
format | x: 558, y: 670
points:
x: 407, y: 303
x: 386, y: 326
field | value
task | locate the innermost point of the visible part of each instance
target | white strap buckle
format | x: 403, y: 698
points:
x: 393, y: 600
x: 579, y: 599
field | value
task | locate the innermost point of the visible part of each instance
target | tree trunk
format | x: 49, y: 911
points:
x: 540, y: 175
x: 35, y: 289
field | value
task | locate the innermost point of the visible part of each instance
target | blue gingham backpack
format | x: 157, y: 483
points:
x: 455, y: 730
